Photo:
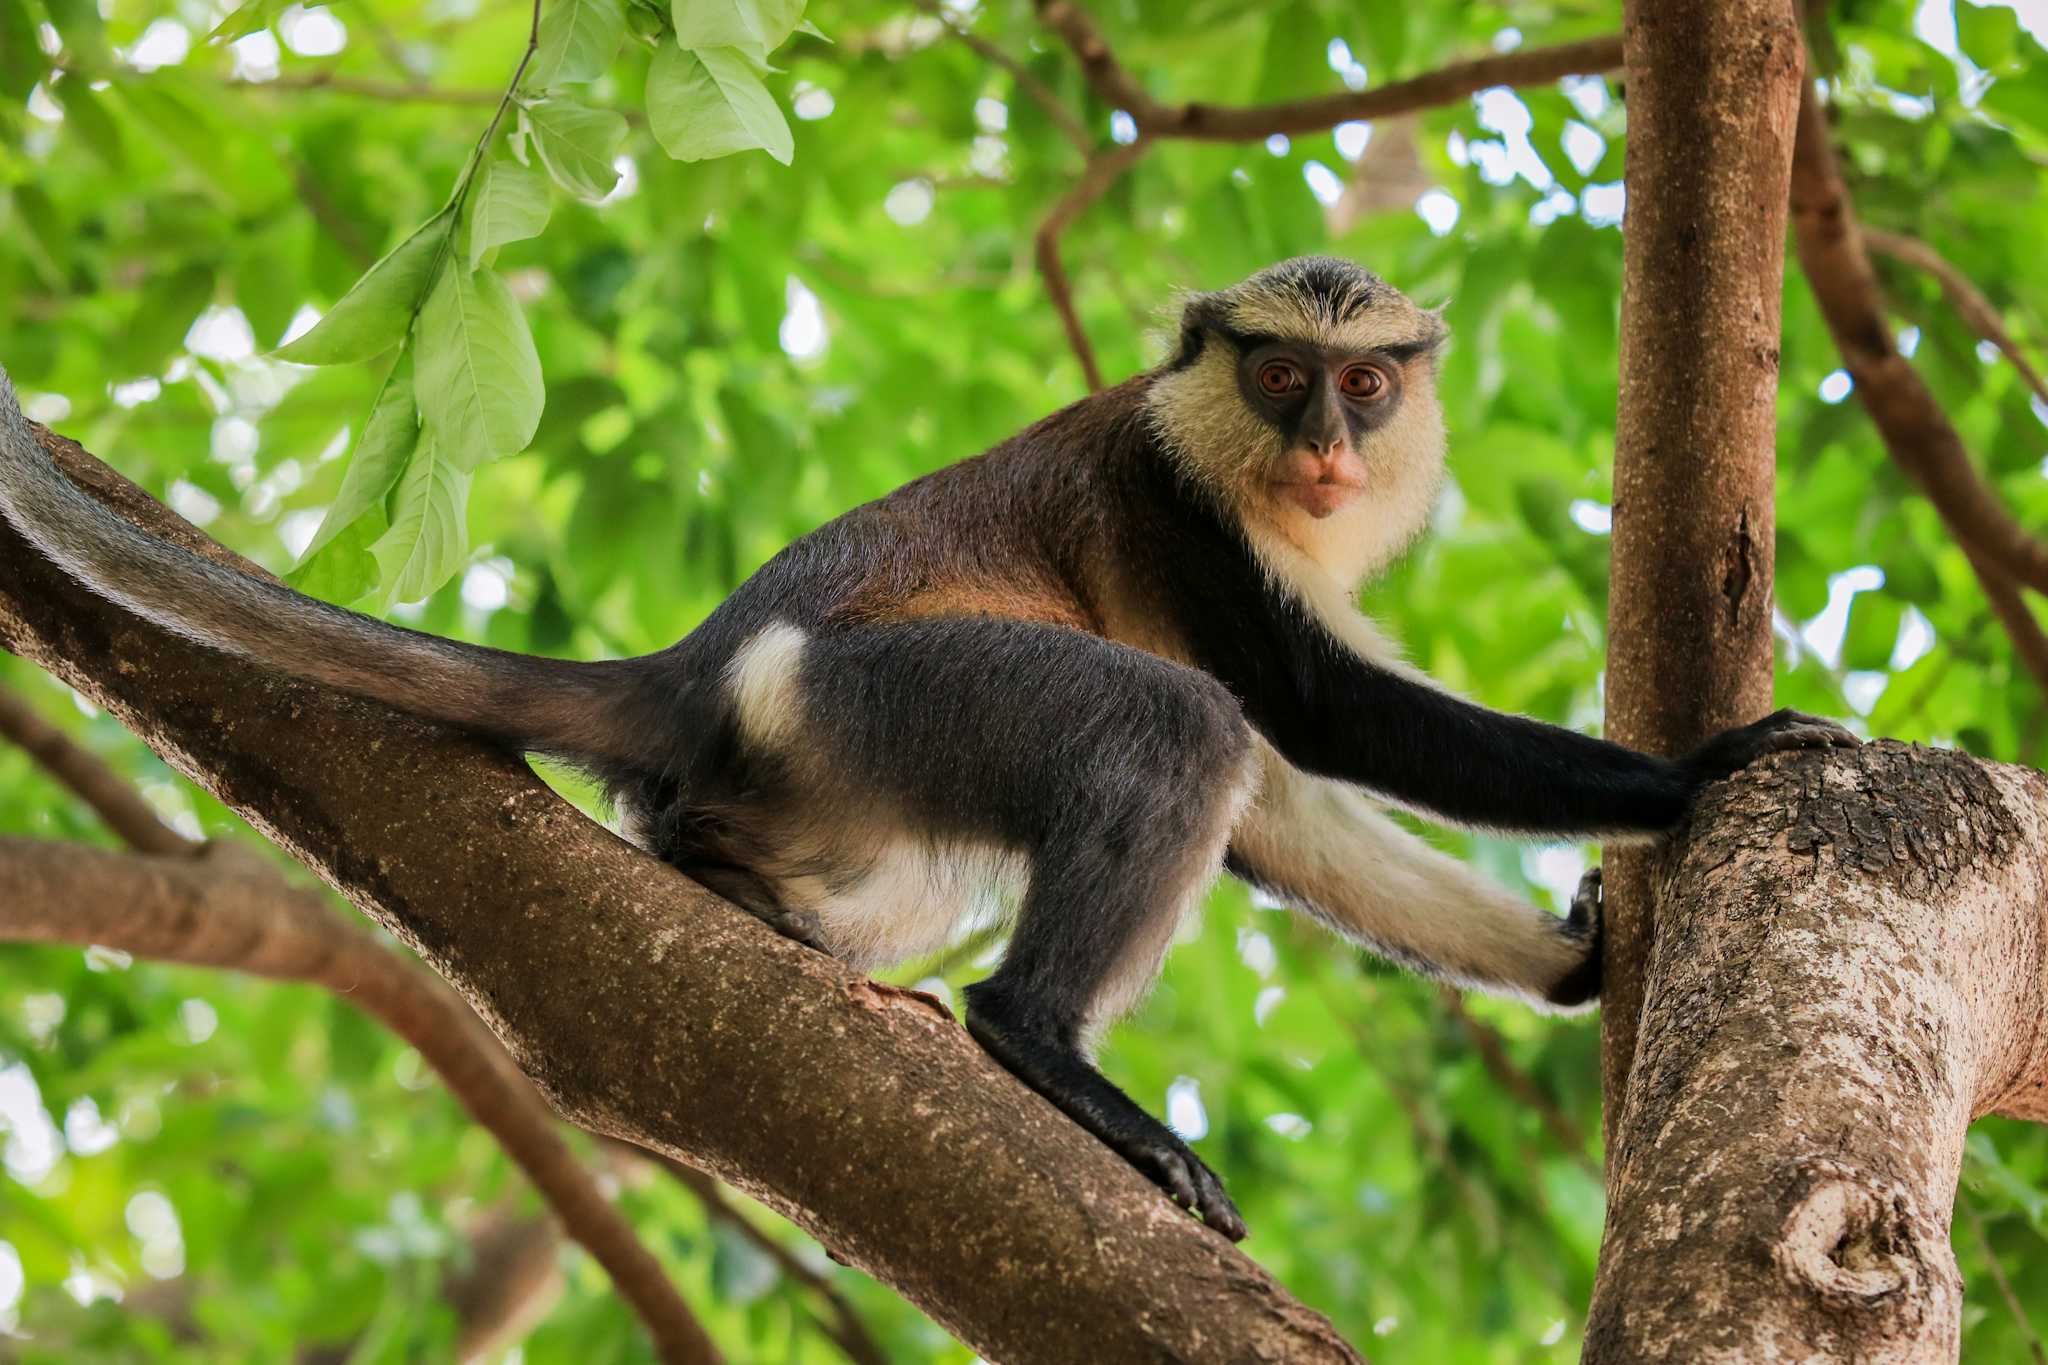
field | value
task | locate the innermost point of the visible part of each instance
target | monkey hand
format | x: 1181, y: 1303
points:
x: 1581, y: 985
x: 1733, y: 750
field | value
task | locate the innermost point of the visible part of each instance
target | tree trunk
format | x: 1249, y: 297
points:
x: 1713, y: 93
x: 1848, y: 969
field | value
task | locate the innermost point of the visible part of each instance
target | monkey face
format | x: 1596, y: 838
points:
x: 1323, y: 403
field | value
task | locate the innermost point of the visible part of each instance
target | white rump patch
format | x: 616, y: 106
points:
x: 910, y: 899
x: 763, y: 679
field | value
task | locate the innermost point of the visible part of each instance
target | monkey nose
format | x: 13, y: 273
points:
x: 1329, y: 445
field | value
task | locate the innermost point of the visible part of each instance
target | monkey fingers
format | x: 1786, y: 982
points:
x: 1733, y: 750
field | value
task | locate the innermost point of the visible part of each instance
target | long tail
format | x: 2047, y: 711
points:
x: 584, y: 711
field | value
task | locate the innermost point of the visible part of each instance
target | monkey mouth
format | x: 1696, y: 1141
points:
x: 1319, y: 499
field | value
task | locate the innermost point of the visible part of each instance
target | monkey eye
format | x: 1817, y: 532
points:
x: 1362, y: 381
x: 1277, y: 377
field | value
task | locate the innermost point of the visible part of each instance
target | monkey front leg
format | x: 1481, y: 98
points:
x: 1322, y: 847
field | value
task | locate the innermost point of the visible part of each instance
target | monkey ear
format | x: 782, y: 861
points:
x: 1197, y: 315
x: 1442, y: 330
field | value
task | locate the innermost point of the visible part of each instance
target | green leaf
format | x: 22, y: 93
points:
x: 250, y: 18
x: 429, y: 535
x: 711, y: 103
x: 170, y: 304
x: 43, y: 236
x: 510, y: 204
x: 380, y: 456
x: 377, y: 312
x: 758, y: 25
x: 578, y: 40
x: 21, y: 60
x: 576, y: 143
x: 84, y: 32
x: 479, y: 378
x: 1873, y: 631
x: 86, y: 115
x: 343, y: 570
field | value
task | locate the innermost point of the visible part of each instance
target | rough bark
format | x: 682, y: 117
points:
x: 1713, y: 89
x: 1848, y: 969
x: 647, y: 1009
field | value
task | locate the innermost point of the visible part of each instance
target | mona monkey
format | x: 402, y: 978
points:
x: 1089, y: 668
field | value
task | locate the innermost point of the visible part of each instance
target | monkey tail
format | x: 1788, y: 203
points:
x: 578, y: 711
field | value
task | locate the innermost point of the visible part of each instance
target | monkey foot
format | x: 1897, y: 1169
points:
x: 1086, y: 1096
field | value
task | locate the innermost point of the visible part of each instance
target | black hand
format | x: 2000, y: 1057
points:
x: 1585, y: 923
x: 1733, y: 750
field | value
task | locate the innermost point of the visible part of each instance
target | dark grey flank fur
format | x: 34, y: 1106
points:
x: 1101, y: 762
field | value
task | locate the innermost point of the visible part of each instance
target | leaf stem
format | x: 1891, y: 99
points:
x: 453, y: 208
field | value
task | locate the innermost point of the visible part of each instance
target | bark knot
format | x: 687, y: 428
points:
x: 1738, y: 566
x: 1856, y: 1241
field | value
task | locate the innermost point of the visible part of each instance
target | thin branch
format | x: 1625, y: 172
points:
x: 1065, y: 119
x: 1249, y: 123
x: 512, y: 1280
x: 1963, y: 295
x: 387, y: 42
x: 111, y: 797
x: 1921, y: 439
x: 1493, y: 1055
x: 1104, y: 168
x: 1430, y: 1134
x: 2004, y: 1285
x: 2009, y: 604
x: 848, y: 1330
x: 1219, y: 123
x: 507, y: 1278
x: 329, y: 215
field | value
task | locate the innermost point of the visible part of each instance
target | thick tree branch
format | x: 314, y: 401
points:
x: 216, y: 911
x: 1249, y: 123
x: 1921, y: 440
x: 1713, y: 93
x: 490, y: 1304
x: 650, y: 1010
x: 1849, y: 968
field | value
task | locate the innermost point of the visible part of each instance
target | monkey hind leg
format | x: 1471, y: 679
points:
x: 1113, y: 775
x: 1105, y: 898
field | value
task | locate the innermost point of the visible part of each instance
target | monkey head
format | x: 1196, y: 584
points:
x: 1306, y: 397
